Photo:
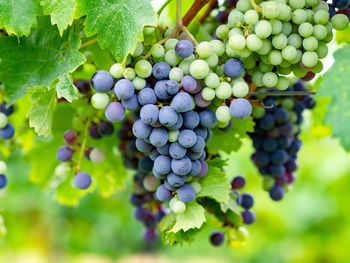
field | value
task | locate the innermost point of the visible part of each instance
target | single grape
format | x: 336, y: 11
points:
x: 64, y: 154
x: 82, y: 180
x: 158, y: 137
x: 162, y: 165
x: 149, y: 114
x: 163, y: 194
x: 233, y: 68
x: 100, y: 100
x: 241, y: 108
x: 175, y: 180
x: 3, y: 120
x: 161, y: 70
x: 186, y: 193
x: 182, y: 166
x: 199, y: 69
x: 115, y: 112
x: 3, y: 181
x: 102, y: 81
x: 217, y: 238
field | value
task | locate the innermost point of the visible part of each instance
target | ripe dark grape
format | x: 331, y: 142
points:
x: 3, y: 181
x: 82, y: 180
x: 217, y: 238
x: 64, y: 154
x: 102, y: 81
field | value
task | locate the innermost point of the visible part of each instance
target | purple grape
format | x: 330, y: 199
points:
x: 176, y: 151
x: 182, y: 166
x: 238, y: 182
x: 3, y: 181
x: 105, y: 128
x: 196, y: 168
x: 158, y: 137
x: 7, y: 110
x: 204, y: 169
x: 233, y: 68
x: 143, y: 146
x: 141, y: 130
x: 8, y: 132
x: 150, y: 235
x: 161, y: 70
x: 241, y: 108
x: 248, y: 217
x: 175, y: 180
x: 171, y: 87
x: 207, y: 119
x: 247, y: 201
x: 149, y: 114
x: 199, y: 145
x: 131, y: 104
x: 191, y: 119
x: 168, y: 116
x: 189, y: 84
x: 102, y: 81
x: 276, y: 193
x: 115, y: 112
x: 70, y: 137
x: 124, y: 89
x: 200, y: 102
x: 182, y: 102
x: 186, y: 193
x: 64, y: 154
x: 162, y: 193
x: 217, y: 238
x: 147, y: 96
x: 82, y: 180
x: 184, y: 48
x: 162, y: 165
x: 187, y: 138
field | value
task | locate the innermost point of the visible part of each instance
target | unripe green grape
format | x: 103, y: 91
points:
x: 293, y: 117
x: 235, y: 18
x: 243, y: 5
x: 204, y: 49
x: 219, y: 70
x: 285, y: 63
x: 128, y: 60
x: 218, y: 47
x: 172, y: 201
x: 306, y: 29
x: 321, y: 17
x: 170, y: 43
x: 265, y: 67
x: 244, y: 53
x: 139, y: 83
x: 298, y: 71
x: 258, y: 112
x: 268, y: 182
x: 270, y: 79
x: 185, y: 66
x: 176, y: 74
x: 251, y: 17
x: 329, y: 27
x: 289, y: 53
x: 299, y: 16
x: 3, y: 120
x: 224, y: 91
x: 231, y: 53
x: 318, y: 68
x: 277, y: 26
x: 340, y: 22
x: 263, y: 29
x: 265, y: 59
x: 279, y: 41
x: 284, y: 70
x: 223, y: 114
x: 287, y: 29
x: 196, y: 186
x: 173, y: 135
x: 235, y: 31
x: 321, y: 6
x: 129, y: 73
x: 310, y: 43
x: 237, y: 42
x: 295, y: 40
x: 212, y: 60
x: 328, y: 38
x: 171, y: 58
x: 322, y: 50
x: 310, y: 15
x: 240, y: 89
x: 285, y: 12
x: 199, y: 69
x: 78, y: 124
x: 249, y: 62
x: 139, y: 49
x: 283, y: 83
x: 275, y: 57
x: 179, y: 207
x: 117, y: 70
x: 100, y: 100
x: 270, y: 9
x: 254, y: 43
x: 208, y: 94
x: 288, y: 103
x: 312, y: 3
x: 157, y: 51
x: 222, y: 31
x: 257, y: 78
x: 61, y: 170
x: 297, y: 4
x: 266, y: 47
x: 298, y: 57
x: 143, y: 69
x: 212, y: 81
x: 309, y: 59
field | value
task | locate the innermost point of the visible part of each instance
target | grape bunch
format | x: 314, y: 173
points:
x: 6, y: 129
x: 276, y: 141
x: 276, y: 38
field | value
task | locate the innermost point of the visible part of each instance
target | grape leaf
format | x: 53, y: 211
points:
x: 335, y: 87
x: 38, y: 60
x: 343, y: 36
x: 19, y: 17
x: 42, y: 109
x: 215, y: 185
x: 229, y: 141
x: 66, y: 89
x: 193, y: 217
x: 61, y: 12
x: 118, y: 24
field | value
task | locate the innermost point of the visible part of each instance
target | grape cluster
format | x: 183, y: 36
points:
x: 276, y: 141
x: 276, y: 38
x: 6, y: 129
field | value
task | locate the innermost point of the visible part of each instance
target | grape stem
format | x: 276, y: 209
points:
x: 159, y: 12
x: 256, y: 7
x: 83, y: 145
x: 213, y: 4
x: 88, y: 43
x: 193, y: 11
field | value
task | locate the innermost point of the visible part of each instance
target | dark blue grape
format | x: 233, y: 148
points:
x: 233, y: 68
x: 184, y: 48
x: 217, y: 238
x: 3, y: 181
x: 102, y: 81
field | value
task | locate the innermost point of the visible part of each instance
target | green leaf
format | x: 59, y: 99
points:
x: 229, y: 141
x: 61, y: 12
x: 42, y: 110
x: 335, y: 89
x: 66, y: 89
x: 343, y: 36
x: 38, y: 60
x: 215, y: 185
x: 193, y: 217
x: 119, y: 24
x: 19, y: 16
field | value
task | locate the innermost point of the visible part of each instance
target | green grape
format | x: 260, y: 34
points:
x: 251, y: 17
x: 284, y: 70
x: 265, y: 67
x: 176, y: 74
x: 237, y: 42
x: 293, y: 117
x: 157, y: 51
x: 185, y: 66
x: 254, y: 43
x: 299, y: 16
x: 235, y: 31
x: 170, y: 43
x: 263, y: 29
x: 297, y: 4
x: 285, y: 12
x: 223, y: 114
x: 266, y: 47
x: 285, y: 64
x: 318, y: 68
x: 295, y: 40
x: 171, y: 58
x: 306, y: 29
x: 298, y: 71
x: 235, y: 18
x: 240, y: 89
x: 275, y: 57
x: 287, y: 29
x: 218, y: 47
x: 321, y: 17
x: 268, y: 182
x: 322, y: 50
x: 244, y: 5
x: 258, y: 112
x: 117, y: 70
x: 289, y: 53
x: 309, y: 59
x: 208, y: 94
x: 173, y: 135
x: 320, y: 32
x: 329, y: 27
x: 245, y: 52
x: 277, y: 26
x: 138, y: 51
x: 199, y: 69
x: 224, y: 91
x: 270, y: 9
x: 178, y: 207
x: 143, y: 69
x: 270, y: 79
x: 328, y: 38
x: 298, y: 57
x: 212, y: 81
x: 288, y: 103
x: 265, y: 59
x: 212, y: 60
x: 310, y: 15
x: 340, y: 22
x: 279, y: 41
x: 249, y: 62
x: 129, y: 73
x: 312, y: 3
x: 257, y: 78
x: 310, y: 43
x: 321, y: 6
x: 231, y: 53
x: 4, y: 121
x: 98, y: 101
x: 139, y: 83
x: 283, y: 83
x: 219, y: 70
x: 204, y: 49
x: 222, y: 31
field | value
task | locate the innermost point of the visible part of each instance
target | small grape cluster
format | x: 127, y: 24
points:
x: 6, y: 129
x: 276, y: 141
x: 276, y: 38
